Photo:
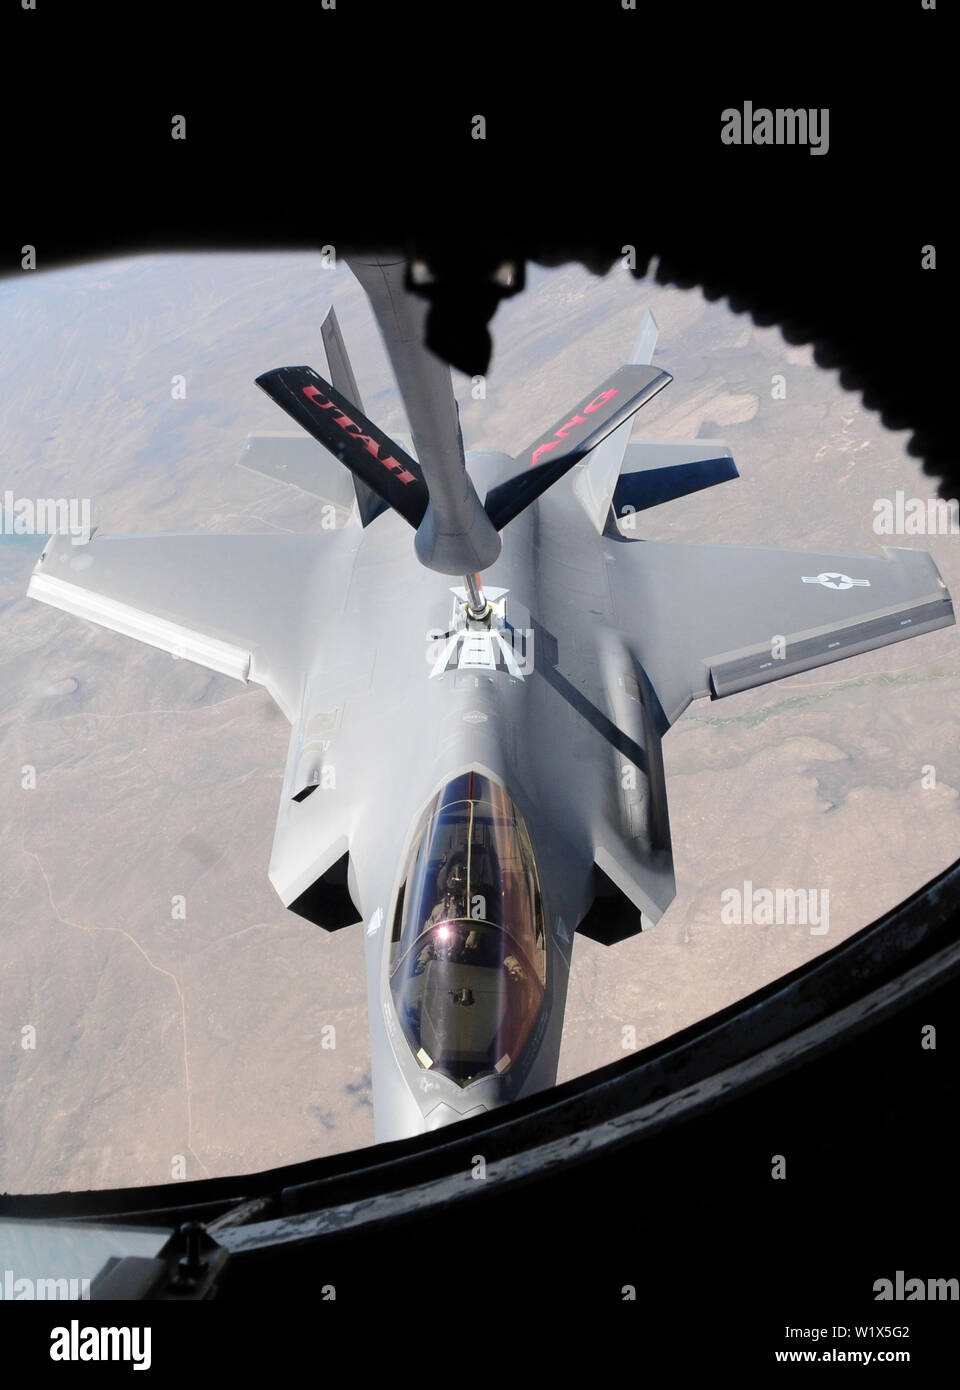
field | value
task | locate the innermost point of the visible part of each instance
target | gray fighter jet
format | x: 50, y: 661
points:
x: 478, y: 690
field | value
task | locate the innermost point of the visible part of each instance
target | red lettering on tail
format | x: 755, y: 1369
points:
x: 371, y: 445
x: 578, y: 419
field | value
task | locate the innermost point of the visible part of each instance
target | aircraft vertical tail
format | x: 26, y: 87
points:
x: 619, y: 478
x: 602, y: 419
x: 342, y: 377
x: 595, y: 485
x: 456, y: 533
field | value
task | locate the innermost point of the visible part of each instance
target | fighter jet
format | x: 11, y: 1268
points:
x: 478, y: 690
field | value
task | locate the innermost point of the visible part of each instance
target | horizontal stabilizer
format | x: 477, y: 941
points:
x: 657, y: 471
x: 341, y: 427
x: 554, y: 453
x: 301, y: 462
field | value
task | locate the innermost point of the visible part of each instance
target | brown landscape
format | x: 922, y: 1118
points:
x: 169, y: 1048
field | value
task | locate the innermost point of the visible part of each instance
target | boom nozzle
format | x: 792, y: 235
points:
x: 478, y: 607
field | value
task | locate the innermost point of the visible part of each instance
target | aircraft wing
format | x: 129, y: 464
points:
x: 712, y: 620
x: 232, y: 603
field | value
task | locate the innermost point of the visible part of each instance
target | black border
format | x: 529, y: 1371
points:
x: 574, y: 167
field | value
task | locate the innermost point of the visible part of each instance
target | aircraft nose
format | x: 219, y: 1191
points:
x: 443, y: 1114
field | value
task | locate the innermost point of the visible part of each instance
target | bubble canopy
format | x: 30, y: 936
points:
x: 468, y: 959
